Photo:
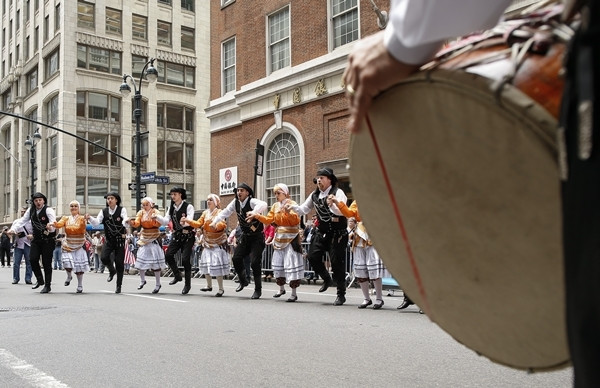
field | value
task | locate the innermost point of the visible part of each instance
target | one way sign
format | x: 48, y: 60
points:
x: 131, y: 186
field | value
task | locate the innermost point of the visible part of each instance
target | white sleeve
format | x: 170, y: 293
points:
x: 341, y: 197
x: 258, y: 206
x: 189, y: 212
x: 124, y: 217
x: 225, y: 213
x: 95, y: 221
x: 305, y: 208
x: 51, y: 218
x: 417, y: 28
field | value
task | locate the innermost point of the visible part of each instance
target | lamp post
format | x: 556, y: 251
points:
x: 151, y: 75
x: 30, y: 145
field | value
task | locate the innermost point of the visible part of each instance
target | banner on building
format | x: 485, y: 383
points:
x: 227, y: 180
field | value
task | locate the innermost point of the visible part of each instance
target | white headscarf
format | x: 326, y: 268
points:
x: 283, y: 187
x: 215, y: 198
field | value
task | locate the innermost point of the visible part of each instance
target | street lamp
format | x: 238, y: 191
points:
x: 151, y: 75
x: 30, y: 145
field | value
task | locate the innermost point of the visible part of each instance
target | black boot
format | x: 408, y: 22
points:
x: 46, y: 289
x: 327, y: 282
x: 188, y: 283
x: 177, y: 278
x: 38, y: 285
x: 243, y: 281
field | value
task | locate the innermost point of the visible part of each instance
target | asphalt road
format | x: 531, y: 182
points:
x: 136, y: 339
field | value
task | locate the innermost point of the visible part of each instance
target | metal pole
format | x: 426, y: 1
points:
x: 138, y: 149
x: 32, y: 151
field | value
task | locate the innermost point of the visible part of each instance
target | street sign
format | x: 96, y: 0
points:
x: 131, y: 186
x: 147, y: 177
x: 142, y: 194
x: 162, y: 180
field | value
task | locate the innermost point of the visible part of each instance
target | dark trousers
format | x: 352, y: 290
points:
x: 581, y: 208
x: 42, y: 248
x: 119, y: 265
x: 5, y: 251
x: 335, y: 244
x: 252, y: 245
x: 186, y: 246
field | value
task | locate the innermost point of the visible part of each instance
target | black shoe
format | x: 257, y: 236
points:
x: 175, y: 280
x: 27, y: 281
x: 142, y: 284
x: 110, y: 276
x: 292, y: 298
x: 378, y: 305
x: 364, y: 305
x: 205, y: 289
x: 15, y: 281
x: 118, y: 290
x: 340, y: 300
x: 156, y: 289
x: 185, y: 290
x: 220, y: 293
x: 243, y: 283
x: 282, y: 292
x: 326, y: 285
x: 46, y: 289
x: 256, y: 295
x: 79, y: 290
x: 405, y: 303
x: 68, y: 281
x: 37, y: 285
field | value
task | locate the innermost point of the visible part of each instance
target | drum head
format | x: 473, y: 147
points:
x: 476, y: 183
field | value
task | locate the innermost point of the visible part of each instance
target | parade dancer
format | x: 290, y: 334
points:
x: 150, y: 254
x: 42, y: 239
x: 114, y: 218
x: 367, y: 264
x: 74, y: 256
x: 287, y: 261
x: 252, y: 241
x: 331, y: 235
x: 182, y: 239
x: 215, y: 257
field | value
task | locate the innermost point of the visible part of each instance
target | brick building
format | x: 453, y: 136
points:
x: 276, y: 69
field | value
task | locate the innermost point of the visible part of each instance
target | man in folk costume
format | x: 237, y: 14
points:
x: 252, y: 241
x: 214, y: 260
x: 182, y: 239
x: 287, y: 261
x: 42, y: 243
x: 367, y: 264
x: 114, y: 218
x: 331, y: 235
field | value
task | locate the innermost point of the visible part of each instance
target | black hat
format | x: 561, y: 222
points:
x: 328, y: 172
x: 246, y: 187
x: 114, y: 194
x: 39, y: 195
x: 179, y: 190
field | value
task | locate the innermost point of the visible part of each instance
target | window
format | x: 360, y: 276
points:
x: 137, y: 65
x: 52, y: 111
x: 163, y: 31
x: 36, y: 39
x: 98, y: 106
x: 27, y: 10
x: 139, y: 27
x: 188, y: 5
x: 85, y: 15
x: 94, y: 58
x: 283, y: 166
x: 168, y: 2
x: 32, y: 80
x: 345, y: 21
x: 6, y: 99
x: 46, y: 27
x: 26, y: 48
x: 52, y: 193
x: 171, y: 116
x: 57, y: 17
x: 279, y: 39
x: 53, y: 151
x: 113, y: 21
x: 176, y: 74
x: 96, y: 190
x: 229, y: 66
x: 187, y: 38
x: 18, y: 20
x: 51, y: 64
x: 174, y: 156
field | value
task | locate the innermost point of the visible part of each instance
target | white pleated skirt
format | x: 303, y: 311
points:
x: 76, y: 260
x: 150, y: 256
x: 368, y: 264
x: 214, y: 262
x: 287, y: 263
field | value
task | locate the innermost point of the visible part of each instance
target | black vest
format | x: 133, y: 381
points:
x: 113, y: 225
x: 39, y: 223
x: 176, y: 216
x: 327, y: 220
x: 253, y: 227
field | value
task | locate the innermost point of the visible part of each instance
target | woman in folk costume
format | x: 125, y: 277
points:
x: 74, y: 256
x: 214, y: 260
x: 150, y: 254
x: 287, y: 261
x: 367, y: 264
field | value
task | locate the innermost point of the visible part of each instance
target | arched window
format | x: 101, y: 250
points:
x: 283, y: 166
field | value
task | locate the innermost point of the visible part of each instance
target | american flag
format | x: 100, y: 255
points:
x: 129, y: 257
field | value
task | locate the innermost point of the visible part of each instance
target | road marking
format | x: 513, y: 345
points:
x: 28, y: 372
x: 148, y: 297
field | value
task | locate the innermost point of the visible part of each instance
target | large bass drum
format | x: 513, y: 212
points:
x: 457, y: 178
